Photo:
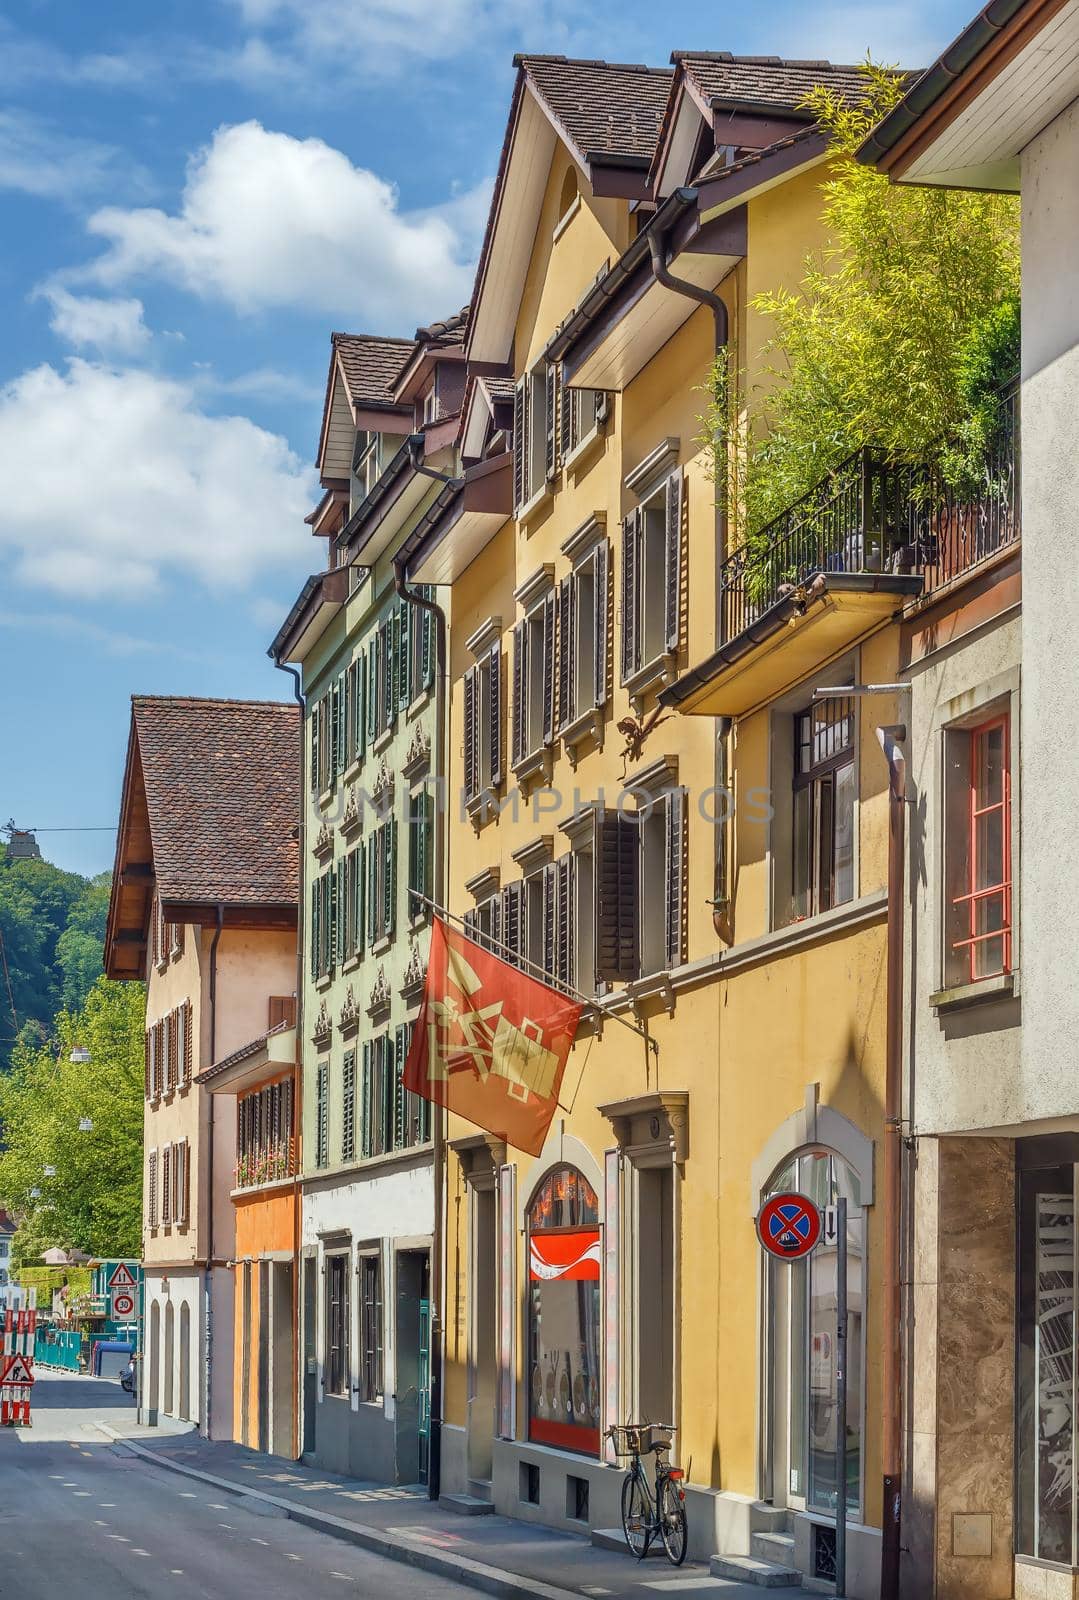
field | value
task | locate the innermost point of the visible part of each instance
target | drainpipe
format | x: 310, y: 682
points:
x: 209, y: 1335
x: 657, y: 250
x: 297, y: 1075
x: 440, y: 862
x: 891, y: 738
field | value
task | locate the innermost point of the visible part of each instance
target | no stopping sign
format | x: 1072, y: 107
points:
x: 789, y: 1226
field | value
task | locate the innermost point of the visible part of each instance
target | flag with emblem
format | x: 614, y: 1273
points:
x: 490, y: 1044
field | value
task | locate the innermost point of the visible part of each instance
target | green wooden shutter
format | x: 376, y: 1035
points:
x: 427, y: 652
x: 400, y: 1126
x: 365, y: 1100
x: 390, y: 848
x: 314, y: 940
x: 406, y: 686
x: 372, y: 660
x: 313, y: 719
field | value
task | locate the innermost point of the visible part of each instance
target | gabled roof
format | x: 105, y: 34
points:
x: 442, y: 335
x: 765, y: 80
x: 208, y: 815
x: 601, y: 107
x: 441, y: 341
x: 608, y: 117
x: 362, y: 369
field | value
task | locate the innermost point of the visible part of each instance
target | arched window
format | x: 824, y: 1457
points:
x: 802, y: 1306
x: 569, y: 192
x: 564, y: 1362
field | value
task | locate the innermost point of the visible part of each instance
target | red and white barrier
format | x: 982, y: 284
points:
x: 19, y: 1326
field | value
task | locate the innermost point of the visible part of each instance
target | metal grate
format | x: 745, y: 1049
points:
x: 530, y: 1483
x: 823, y: 1552
x: 576, y: 1498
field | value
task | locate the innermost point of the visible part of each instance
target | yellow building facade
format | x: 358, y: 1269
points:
x: 717, y: 881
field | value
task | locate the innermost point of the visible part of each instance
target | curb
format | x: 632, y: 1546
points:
x: 394, y: 1547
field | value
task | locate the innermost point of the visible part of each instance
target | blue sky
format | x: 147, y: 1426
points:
x: 193, y: 193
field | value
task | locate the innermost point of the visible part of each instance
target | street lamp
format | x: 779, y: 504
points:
x: 86, y: 1124
x: 48, y: 1172
x: 35, y: 1194
x: 79, y: 1055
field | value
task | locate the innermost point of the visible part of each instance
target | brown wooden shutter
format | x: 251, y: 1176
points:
x: 617, y: 897
x: 549, y: 610
x: 471, y: 734
x: 568, y: 414
x: 494, y: 714
x: 283, y: 1006
x: 565, y: 920
x: 151, y: 1189
x: 513, y: 919
x: 550, y: 449
x: 601, y: 598
x: 520, y: 689
x: 673, y: 562
x: 548, y: 919
x: 166, y: 1184
x: 185, y: 1183
x: 567, y: 641
x: 146, y: 1062
x: 189, y: 1046
x: 519, y: 474
x: 630, y: 662
x: 675, y: 875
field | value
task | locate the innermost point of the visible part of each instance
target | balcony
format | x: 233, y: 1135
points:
x: 872, y: 536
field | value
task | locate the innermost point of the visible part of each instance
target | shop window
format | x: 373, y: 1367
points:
x: 822, y: 834
x: 337, y: 1324
x: 802, y: 1301
x: 564, y: 1350
x: 978, y: 886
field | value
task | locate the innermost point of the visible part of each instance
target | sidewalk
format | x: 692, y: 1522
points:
x: 493, y: 1554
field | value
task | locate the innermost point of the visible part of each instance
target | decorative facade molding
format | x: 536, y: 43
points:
x: 652, y: 1129
x: 381, y: 995
x: 323, y: 1027
x: 418, y: 754
x: 349, y: 1019
x: 323, y: 845
x: 352, y: 816
x: 415, y: 973
x: 382, y: 791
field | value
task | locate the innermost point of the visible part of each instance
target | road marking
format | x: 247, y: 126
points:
x: 293, y: 1558
x: 187, y: 1496
x: 107, y: 1505
x: 71, y: 1486
x: 227, y: 1525
x: 135, y: 1551
x: 343, y: 1576
x: 260, y: 1541
x: 81, y: 1494
x: 118, y: 1537
x: 213, y: 1506
x: 99, y: 1524
x: 57, y: 1477
x: 177, y: 1572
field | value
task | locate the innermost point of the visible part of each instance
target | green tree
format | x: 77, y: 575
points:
x: 71, y: 1163
x: 880, y: 343
x: 78, y: 949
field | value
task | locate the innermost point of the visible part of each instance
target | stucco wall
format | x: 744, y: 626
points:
x: 1050, y: 399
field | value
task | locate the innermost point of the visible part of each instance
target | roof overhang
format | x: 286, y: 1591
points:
x: 386, y: 513
x: 318, y: 602
x: 966, y: 120
x: 468, y: 520
x: 420, y: 369
x: 132, y: 893
x: 254, y: 1065
x: 627, y: 316
x: 233, y: 914
x: 788, y: 642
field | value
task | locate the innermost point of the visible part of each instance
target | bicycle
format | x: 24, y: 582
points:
x: 645, y: 1516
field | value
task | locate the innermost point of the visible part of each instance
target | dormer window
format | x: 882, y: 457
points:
x: 366, y: 464
x: 430, y: 405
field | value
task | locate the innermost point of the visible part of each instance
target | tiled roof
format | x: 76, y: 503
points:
x: 451, y: 331
x: 766, y: 80
x: 223, y: 796
x: 499, y: 388
x: 604, y: 108
x: 370, y: 364
x: 251, y: 1048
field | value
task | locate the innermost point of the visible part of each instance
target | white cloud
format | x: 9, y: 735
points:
x: 113, y: 480
x: 269, y: 221
x: 262, y: 383
x: 35, y: 158
x: 113, y: 641
x: 114, y: 327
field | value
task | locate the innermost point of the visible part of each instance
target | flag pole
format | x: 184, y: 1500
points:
x: 512, y: 958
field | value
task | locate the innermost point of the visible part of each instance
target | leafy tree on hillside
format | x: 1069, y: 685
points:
x: 78, y: 949
x: 72, y: 1131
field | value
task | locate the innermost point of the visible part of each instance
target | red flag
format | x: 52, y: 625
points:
x: 489, y: 1043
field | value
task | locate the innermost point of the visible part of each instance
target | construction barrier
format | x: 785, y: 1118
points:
x: 18, y: 1307
x: 59, y: 1348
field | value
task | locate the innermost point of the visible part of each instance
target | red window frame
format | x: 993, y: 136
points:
x: 975, y: 897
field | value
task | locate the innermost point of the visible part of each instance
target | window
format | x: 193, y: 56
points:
x: 582, y: 412
x: 348, y: 1106
x: 483, y: 769
x: 322, y: 1110
x: 411, y: 1112
x: 366, y: 464
x: 355, y: 709
x: 381, y: 852
x: 151, y: 1189
x: 376, y: 1097
x: 822, y: 817
x: 323, y: 742
x: 564, y: 1351
x: 652, y: 578
x: 351, y: 888
x: 978, y: 887
x: 582, y: 637
x: 265, y: 1134
x: 371, y: 1327
x: 549, y: 422
x: 419, y: 645
x: 181, y: 1182
x: 166, y: 1185
x: 533, y: 681
x: 639, y: 894
x: 323, y: 924
x: 337, y: 1324
x: 421, y: 841
x: 168, y: 1052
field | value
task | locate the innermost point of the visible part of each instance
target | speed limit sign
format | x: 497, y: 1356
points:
x: 123, y: 1304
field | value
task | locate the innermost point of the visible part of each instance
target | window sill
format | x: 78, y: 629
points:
x: 246, y: 1190
x: 352, y: 771
x: 1005, y: 986
x: 324, y: 982
x: 351, y: 964
x: 589, y: 725
x: 584, y: 449
x: 543, y: 496
x: 656, y: 674
x: 534, y: 765
x: 380, y: 946
x: 384, y: 740
x: 483, y: 807
x: 420, y: 703
x: 161, y: 964
x: 324, y: 797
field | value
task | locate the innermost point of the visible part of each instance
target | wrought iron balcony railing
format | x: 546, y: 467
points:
x: 874, y: 515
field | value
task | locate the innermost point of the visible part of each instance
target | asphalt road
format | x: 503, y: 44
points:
x: 85, y: 1517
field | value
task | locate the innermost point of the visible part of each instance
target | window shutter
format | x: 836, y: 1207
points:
x: 630, y: 661
x: 151, y: 1189
x: 495, y: 904
x: 565, y: 964
x: 520, y: 476
x: 617, y: 896
x: 359, y: 709
x: 600, y: 589
x: 166, y: 1184
x: 494, y: 714
x: 427, y: 645
x: 400, y: 1131
x: 520, y: 680
x: 568, y: 419
x: 406, y: 686
x: 548, y: 918
x: 371, y: 675
x: 675, y: 875
x: 471, y: 734
x: 567, y: 650
x: 313, y: 932
x: 371, y: 886
x: 391, y: 873
x: 189, y: 1046
x: 360, y: 891
x: 469, y: 920
x: 146, y: 1061
x: 183, y: 1188
x: 313, y: 720
x: 549, y: 612
x: 673, y: 561
x: 153, y: 1060
x: 427, y: 859
x: 512, y: 919
x: 550, y: 448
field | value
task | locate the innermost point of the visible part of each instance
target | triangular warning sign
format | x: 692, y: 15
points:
x: 18, y: 1370
x: 121, y: 1278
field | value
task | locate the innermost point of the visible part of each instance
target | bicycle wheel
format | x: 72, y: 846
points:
x: 636, y: 1515
x: 671, y: 1515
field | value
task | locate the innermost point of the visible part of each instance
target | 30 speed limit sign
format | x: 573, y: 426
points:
x: 123, y: 1304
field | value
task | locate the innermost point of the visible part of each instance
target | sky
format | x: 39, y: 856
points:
x: 193, y: 194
